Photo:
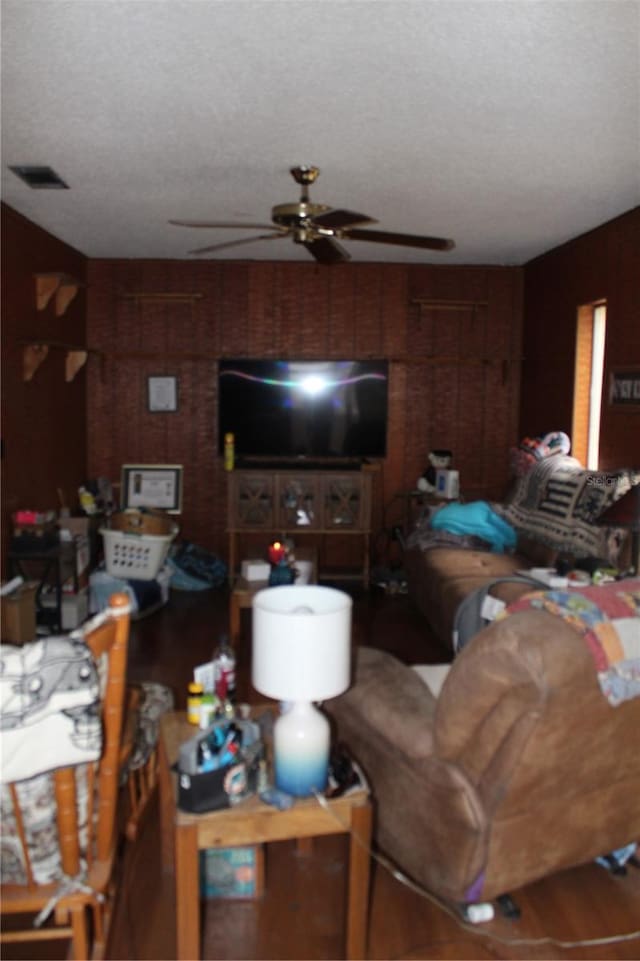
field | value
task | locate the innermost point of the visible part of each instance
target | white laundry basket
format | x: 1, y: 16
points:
x: 135, y: 556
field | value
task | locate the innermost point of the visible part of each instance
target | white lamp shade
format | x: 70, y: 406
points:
x: 301, y: 642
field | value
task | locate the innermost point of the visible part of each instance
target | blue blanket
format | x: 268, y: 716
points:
x: 476, y: 518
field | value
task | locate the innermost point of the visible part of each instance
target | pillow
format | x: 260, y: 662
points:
x: 38, y: 815
x: 559, y: 502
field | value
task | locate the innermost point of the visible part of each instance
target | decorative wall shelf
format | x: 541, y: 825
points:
x: 62, y: 285
x: 34, y: 352
x: 451, y: 360
x: 449, y: 304
x: 169, y: 296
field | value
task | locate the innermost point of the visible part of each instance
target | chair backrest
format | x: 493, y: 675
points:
x: 83, y: 797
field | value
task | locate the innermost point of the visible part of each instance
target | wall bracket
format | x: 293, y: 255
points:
x: 62, y: 285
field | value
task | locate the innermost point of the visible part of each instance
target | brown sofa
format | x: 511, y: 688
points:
x: 521, y: 767
x: 553, y: 509
x: 440, y: 578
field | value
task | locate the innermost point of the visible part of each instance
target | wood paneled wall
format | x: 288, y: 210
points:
x: 603, y: 264
x: 43, y: 420
x: 452, y: 336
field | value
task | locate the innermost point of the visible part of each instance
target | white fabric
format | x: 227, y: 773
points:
x: 433, y: 675
x: 49, y: 707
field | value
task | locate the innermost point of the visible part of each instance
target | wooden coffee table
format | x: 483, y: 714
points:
x: 243, y: 591
x: 253, y: 822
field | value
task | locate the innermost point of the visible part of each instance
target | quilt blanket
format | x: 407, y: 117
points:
x: 608, y: 618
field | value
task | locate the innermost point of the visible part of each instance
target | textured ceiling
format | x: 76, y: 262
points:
x: 509, y: 126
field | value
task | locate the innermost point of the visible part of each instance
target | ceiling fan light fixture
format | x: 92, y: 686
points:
x: 291, y: 215
x: 318, y: 227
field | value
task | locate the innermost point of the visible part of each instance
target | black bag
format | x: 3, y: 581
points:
x: 213, y: 790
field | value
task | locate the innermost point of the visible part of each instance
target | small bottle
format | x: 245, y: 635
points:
x: 224, y: 670
x: 87, y: 501
x: 229, y: 451
x: 207, y: 710
x: 194, y: 702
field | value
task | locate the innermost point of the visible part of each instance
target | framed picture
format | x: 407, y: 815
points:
x: 624, y: 388
x: 152, y: 485
x: 162, y: 393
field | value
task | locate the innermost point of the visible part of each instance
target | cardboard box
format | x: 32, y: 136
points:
x: 19, y: 615
x: 232, y: 872
x: 78, y: 526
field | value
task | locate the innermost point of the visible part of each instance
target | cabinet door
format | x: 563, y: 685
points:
x: 251, y: 500
x: 343, y: 502
x: 298, y: 499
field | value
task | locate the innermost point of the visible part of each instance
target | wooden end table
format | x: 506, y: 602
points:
x: 243, y: 591
x: 253, y: 822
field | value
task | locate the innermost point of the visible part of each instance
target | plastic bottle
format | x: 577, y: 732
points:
x: 229, y: 451
x: 87, y: 501
x: 224, y: 670
x: 194, y: 702
x: 208, y: 708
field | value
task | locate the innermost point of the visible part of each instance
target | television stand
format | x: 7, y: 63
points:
x: 299, y: 502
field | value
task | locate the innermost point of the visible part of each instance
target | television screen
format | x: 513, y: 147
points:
x: 304, y: 409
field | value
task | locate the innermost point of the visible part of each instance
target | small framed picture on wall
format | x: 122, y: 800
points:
x: 162, y: 394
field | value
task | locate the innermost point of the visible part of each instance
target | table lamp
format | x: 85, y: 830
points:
x: 301, y: 654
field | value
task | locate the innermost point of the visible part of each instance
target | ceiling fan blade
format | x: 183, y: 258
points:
x: 238, y: 243
x: 327, y: 251
x: 219, y: 223
x: 341, y: 218
x: 400, y: 240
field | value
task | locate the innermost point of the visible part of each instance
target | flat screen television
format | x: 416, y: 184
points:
x: 304, y: 409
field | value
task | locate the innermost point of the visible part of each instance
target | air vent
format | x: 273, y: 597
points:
x: 40, y: 178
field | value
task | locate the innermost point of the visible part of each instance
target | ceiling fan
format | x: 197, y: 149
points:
x: 317, y: 227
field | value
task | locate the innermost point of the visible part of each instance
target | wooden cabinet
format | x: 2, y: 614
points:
x: 291, y: 503
x: 251, y: 501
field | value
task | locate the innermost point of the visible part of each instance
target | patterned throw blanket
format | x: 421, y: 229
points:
x: 49, y: 707
x: 608, y: 618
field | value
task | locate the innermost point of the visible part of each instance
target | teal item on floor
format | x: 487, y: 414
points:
x: 476, y: 518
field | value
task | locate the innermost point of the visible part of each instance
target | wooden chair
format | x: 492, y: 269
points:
x: 145, y: 704
x: 79, y: 902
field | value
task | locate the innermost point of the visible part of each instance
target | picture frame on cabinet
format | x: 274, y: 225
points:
x: 162, y: 393
x: 155, y: 486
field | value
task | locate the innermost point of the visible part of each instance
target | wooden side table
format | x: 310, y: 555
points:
x: 252, y: 822
x: 243, y: 591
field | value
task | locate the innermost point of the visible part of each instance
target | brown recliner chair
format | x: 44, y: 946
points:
x: 520, y: 767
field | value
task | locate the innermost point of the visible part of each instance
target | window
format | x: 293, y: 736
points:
x: 587, y: 391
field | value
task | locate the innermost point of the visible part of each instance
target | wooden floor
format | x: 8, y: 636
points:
x: 301, y: 914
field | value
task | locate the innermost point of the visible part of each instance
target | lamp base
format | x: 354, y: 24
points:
x: 281, y: 574
x: 301, y: 750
